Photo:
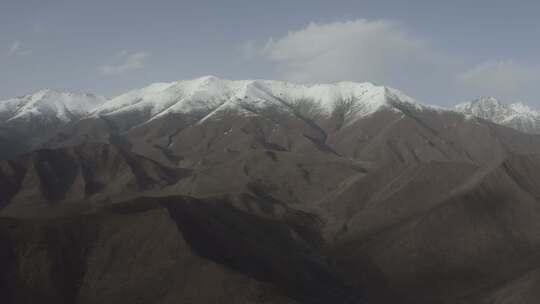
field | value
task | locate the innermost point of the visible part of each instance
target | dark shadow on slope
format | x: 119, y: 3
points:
x: 267, y: 250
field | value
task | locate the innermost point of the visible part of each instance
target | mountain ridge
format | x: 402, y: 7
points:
x: 515, y: 115
x: 64, y: 106
x: 216, y: 94
x: 214, y: 88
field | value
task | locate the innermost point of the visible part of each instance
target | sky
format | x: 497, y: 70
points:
x: 439, y: 52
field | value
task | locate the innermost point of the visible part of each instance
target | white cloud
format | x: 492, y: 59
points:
x: 249, y: 50
x: 359, y: 50
x: 127, y: 63
x: 38, y: 28
x: 385, y: 52
x: 503, y: 78
x: 15, y: 49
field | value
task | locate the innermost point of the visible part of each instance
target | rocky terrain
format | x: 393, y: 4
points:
x: 218, y: 191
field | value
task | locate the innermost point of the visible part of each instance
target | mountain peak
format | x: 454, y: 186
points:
x: 209, y: 78
x: 523, y: 108
x: 45, y: 92
x: 211, y: 92
x: 49, y: 104
x: 516, y: 115
x: 489, y: 100
x: 482, y: 107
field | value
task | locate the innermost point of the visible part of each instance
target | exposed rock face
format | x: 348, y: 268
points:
x: 340, y: 200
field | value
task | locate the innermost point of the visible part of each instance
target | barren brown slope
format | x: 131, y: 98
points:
x: 45, y: 179
x: 167, y: 250
x: 458, y: 249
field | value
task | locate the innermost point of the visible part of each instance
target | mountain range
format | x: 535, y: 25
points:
x: 220, y: 191
x: 28, y: 122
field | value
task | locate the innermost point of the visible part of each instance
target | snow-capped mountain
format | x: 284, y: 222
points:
x: 192, y: 170
x: 29, y: 121
x: 211, y: 95
x: 516, y: 115
x: 49, y: 105
x: 208, y: 96
x: 33, y: 120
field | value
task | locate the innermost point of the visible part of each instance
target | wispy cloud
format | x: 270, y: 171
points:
x: 126, y: 62
x: 249, y: 50
x: 361, y: 50
x: 387, y: 52
x: 38, y: 28
x: 502, y: 78
x: 16, y: 49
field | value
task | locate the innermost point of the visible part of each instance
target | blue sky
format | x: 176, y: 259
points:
x: 441, y: 52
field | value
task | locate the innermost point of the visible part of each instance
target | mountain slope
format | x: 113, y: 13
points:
x: 49, y: 116
x: 145, y: 252
x: 27, y: 122
x: 48, y: 105
x: 94, y: 173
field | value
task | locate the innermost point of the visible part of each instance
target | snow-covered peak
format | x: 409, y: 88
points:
x: 491, y: 107
x: 516, y: 115
x: 205, y: 97
x: 49, y: 104
x: 210, y: 92
x: 522, y: 108
x: 484, y: 107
